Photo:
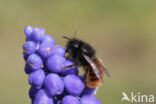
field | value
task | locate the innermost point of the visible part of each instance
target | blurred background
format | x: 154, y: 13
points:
x: 122, y: 31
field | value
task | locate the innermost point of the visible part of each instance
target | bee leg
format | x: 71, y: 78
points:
x: 69, y: 66
x: 69, y: 56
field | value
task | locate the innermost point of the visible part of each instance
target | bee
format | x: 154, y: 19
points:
x: 83, y: 55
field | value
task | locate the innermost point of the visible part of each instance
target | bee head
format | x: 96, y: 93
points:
x: 72, y: 45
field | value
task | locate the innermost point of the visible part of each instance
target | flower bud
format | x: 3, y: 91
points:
x: 73, y: 85
x: 36, y: 78
x: 54, y: 84
x: 88, y: 99
x: 28, y: 31
x: 38, y: 34
x: 43, y: 98
x: 34, y: 61
x: 70, y: 100
x: 55, y: 63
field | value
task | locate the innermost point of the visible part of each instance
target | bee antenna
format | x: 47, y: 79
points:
x: 66, y: 38
x: 75, y: 33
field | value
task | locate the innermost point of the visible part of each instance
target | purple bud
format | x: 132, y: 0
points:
x: 71, y: 70
x: 32, y: 92
x: 59, y: 50
x: 38, y: 34
x: 73, y: 85
x: 89, y: 91
x: 25, y: 56
x: 48, y: 40
x: 43, y: 98
x: 34, y: 62
x: 58, y: 102
x: 54, y: 84
x: 70, y: 100
x: 28, y: 30
x: 45, y: 50
x: 36, y: 78
x: 55, y: 63
x: 88, y: 99
x: 29, y: 47
x: 27, y: 69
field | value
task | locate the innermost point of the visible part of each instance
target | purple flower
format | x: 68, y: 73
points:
x: 36, y: 78
x: 55, y: 63
x: 28, y: 31
x: 71, y: 70
x: 27, y: 69
x: 32, y: 92
x: 38, y: 34
x: 42, y: 97
x: 88, y: 99
x: 48, y: 40
x: 73, y: 85
x: 34, y: 61
x: 59, y: 50
x: 29, y: 47
x: 70, y: 100
x: 54, y: 84
x: 45, y: 50
x: 89, y: 91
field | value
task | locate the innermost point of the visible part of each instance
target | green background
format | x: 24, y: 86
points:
x: 122, y: 31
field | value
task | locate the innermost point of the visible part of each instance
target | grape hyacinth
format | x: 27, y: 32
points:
x: 50, y: 83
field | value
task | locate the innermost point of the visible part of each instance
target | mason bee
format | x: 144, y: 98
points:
x: 82, y: 54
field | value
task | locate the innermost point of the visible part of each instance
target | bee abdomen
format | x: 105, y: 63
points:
x: 91, y: 80
x: 92, y: 77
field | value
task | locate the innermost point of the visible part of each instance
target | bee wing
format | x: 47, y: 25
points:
x: 105, y: 70
x: 93, y: 66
